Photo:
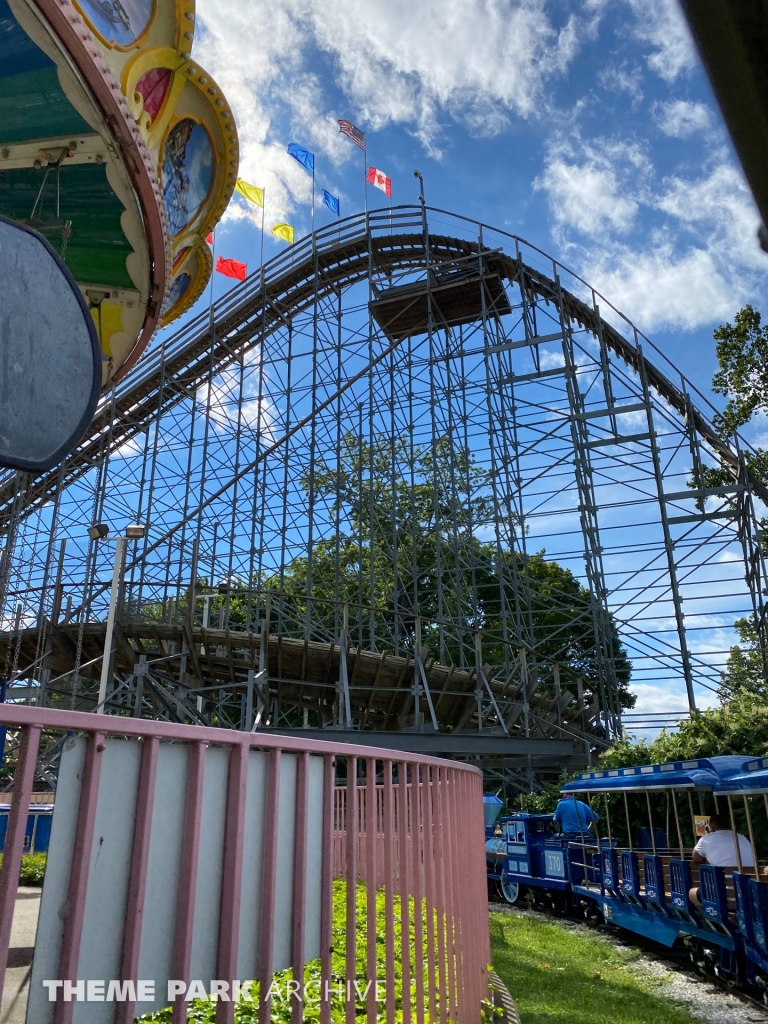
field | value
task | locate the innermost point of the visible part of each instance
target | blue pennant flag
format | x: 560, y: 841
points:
x: 305, y: 158
x: 331, y: 202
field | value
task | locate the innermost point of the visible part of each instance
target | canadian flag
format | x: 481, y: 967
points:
x: 380, y: 180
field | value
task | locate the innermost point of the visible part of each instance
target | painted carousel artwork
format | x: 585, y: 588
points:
x: 177, y: 289
x: 187, y: 172
x: 125, y: 173
x: 118, y: 22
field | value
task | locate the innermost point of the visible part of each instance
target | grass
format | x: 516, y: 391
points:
x: 203, y: 1011
x: 558, y: 975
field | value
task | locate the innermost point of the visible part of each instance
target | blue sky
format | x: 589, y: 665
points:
x: 585, y: 126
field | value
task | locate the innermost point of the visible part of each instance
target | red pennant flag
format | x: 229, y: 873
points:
x: 231, y: 268
x: 209, y: 239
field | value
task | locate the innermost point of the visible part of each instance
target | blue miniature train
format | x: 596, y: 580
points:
x: 636, y: 870
x: 37, y: 834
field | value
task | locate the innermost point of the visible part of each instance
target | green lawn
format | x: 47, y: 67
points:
x: 557, y: 974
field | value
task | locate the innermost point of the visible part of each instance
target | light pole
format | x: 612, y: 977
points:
x: 422, y: 197
x: 101, y: 532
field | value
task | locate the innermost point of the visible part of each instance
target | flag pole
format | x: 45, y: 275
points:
x: 210, y: 299
x: 263, y: 204
x: 213, y: 257
x: 365, y: 173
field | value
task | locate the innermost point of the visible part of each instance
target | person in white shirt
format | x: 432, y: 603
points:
x: 718, y: 847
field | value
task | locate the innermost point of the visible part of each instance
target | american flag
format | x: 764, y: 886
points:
x: 348, y: 129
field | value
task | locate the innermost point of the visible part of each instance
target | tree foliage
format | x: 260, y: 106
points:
x: 409, y: 541
x: 407, y: 537
x: 742, y: 351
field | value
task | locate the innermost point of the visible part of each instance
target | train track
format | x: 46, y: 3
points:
x: 678, y: 956
x: 291, y: 282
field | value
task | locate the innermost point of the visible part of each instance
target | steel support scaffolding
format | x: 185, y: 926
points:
x: 420, y: 442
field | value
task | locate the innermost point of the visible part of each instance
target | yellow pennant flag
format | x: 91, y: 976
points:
x: 284, y: 231
x: 251, y: 192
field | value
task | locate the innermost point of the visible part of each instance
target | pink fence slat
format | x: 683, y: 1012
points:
x: 269, y: 876
x: 481, y: 886
x: 353, y: 827
x: 137, y: 883
x: 388, y: 828
x: 418, y: 889
x: 300, y: 882
x: 232, y: 875
x: 453, y: 839
x: 440, y: 871
x: 483, y: 923
x: 404, y: 886
x: 449, y: 884
x: 23, y: 781
x: 190, y: 853
x: 371, y: 837
x: 429, y: 886
x: 470, y: 914
x: 78, y: 876
x: 326, y: 893
x: 414, y: 834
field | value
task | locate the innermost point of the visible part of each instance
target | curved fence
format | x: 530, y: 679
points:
x: 186, y: 862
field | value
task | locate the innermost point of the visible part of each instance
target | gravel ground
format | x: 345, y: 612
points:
x: 707, y: 1002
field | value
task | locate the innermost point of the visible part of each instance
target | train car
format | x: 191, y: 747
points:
x: 37, y: 834
x: 647, y: 875
x: 746, y: 798
x: 526, y: 852
x: 637, y: 871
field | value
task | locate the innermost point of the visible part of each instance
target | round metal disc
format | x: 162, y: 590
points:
x: 50, y: 358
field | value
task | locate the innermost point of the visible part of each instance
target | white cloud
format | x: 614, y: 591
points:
x: 453, y: 55
x: 698, y: 258
x: 586, y: 185
x: 659, y: 699
x: 659, y: 287
x: 226, y: 408
x: 664, y: 700
x: 474, y: 61
x: 549, y: 358
x: 622, y: 78
x: 661, y: 25
x: 702, y: 265
x: 133, y: 446
x: 680, y: 118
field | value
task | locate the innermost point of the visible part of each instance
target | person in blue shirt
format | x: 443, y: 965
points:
x: 574, y: 816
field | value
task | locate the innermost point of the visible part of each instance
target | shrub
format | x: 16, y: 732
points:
x: 32, y: 868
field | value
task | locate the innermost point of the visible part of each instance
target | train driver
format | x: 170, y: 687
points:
x: 718, y: 847
x: 574, y: 816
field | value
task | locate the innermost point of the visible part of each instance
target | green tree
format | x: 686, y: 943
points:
x: 742, y: 354
x: 738, y: 725
x: 742, y: 351
x: 410, y: 541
